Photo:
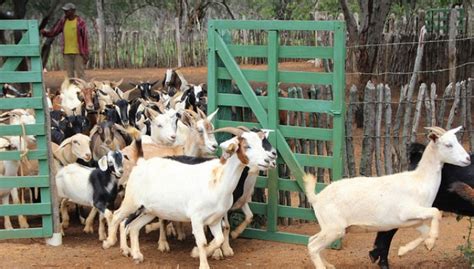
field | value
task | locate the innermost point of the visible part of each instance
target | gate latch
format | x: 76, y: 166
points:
x: 335, y: 112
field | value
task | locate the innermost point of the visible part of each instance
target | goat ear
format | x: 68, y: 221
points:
x: 432, y: 136
x: 267, y: 132
x: 103, y: 165
x: 153, y: 83
x: 455, y: 130
x: 115, y: 84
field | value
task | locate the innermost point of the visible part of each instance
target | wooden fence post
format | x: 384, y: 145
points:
x: 457, y: 93
x: 463, y: 104
x: 397, y: 125
x: 453, y: 18
x: 378, y: 129
x: 469, y: 114
x: 388, y: 126
x: 369, y: 124
x: 416, y: 117
x: 442, y: 106
x: 349, y: 140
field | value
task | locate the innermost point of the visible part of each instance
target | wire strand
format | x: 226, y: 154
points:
x: 410, y: 73
x: 409, y: 43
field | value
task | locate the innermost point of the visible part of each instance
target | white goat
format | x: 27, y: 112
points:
x: 11, y: 167
x: 370, y: 204
x: 205, y: 191
x: 70, y: 102
x: 71, y: 149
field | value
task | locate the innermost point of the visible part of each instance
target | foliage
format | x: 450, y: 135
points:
x: 466, y: 250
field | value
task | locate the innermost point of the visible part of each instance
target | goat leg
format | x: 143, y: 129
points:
x: 248, y: 219
x: 21, y: 219
x: 163, y: 245
x: 7, y: 223
x: 89, y: 228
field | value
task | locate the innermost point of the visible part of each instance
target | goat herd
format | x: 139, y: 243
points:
x: 154, y: 151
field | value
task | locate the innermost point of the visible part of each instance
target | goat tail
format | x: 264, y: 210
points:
x: 310, y: 186
x: 463, y: 190
x: 137, y: 137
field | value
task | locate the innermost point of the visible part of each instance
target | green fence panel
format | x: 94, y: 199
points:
x: 27, y: 48
x: 223, y: 69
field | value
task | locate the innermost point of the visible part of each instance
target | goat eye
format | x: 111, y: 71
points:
x: 248, y: 147
x: 449, y: 145
x: 160, y: 126
x: 201, y: 131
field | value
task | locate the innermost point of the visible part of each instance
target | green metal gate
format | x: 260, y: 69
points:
x: 223, y: 69
x: 12, y: 54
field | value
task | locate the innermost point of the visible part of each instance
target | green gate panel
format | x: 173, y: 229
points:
x: 223, y: 69
x: 27, y: 48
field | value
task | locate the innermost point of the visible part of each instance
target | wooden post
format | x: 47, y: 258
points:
x: 411, y: 89
x: 378, y: 130
x: 427, y: 101
x: 469, y: 114
x: 416, y: 117
x: 463, y: 104
x: 442, y: 106
x: 101, y: 32
x: 349, y: 140
x: 388, y: 126
x: 369, y: 124
x: 397, y: 125
x: 453, y: 18
x: 178, y: 42
x: 457, y: 93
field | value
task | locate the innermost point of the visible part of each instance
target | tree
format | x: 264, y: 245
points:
x: 373, y: 15
x: 101, y: 30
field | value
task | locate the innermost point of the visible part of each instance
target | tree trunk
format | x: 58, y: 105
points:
x: 178, y: 43
x: 373, y: 16
x: 101, y: 31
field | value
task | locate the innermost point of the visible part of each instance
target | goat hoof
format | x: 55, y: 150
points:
x: 402, y: 251
x: 234, y: 235
x: 204, y: 266
x: 217, y: 255
x: 106, y: 244
x: 163, y: 246
x: 125, y: 252
x: 148, y: 228
x: 89, y: 230
x: 170, y: 231
x: 228, y: 251
x: 137, y: 257
x: 430, y: 243
x: 181, y: 237
x: 195, y: 252
x: 65, y: 225
x: 373, y: 256
x: 8, y: 227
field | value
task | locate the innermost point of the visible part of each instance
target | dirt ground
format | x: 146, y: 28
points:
x: 84, y: 250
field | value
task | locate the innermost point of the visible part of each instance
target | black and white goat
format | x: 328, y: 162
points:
x: 96, y: 187
x: 118, y: 112
x: 194, y: 98
x: 455, y: 195
x: 146, y: 92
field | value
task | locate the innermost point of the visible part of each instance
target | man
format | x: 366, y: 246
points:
x: 74, y: 42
